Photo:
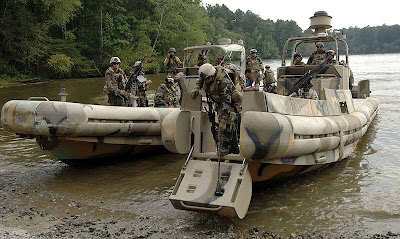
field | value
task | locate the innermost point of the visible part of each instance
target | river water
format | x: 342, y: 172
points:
x: 357, y: 196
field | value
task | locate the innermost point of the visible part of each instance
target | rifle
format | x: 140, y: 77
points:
x: 135, y: 74
x: 305, y: 80
x: 215, y: 132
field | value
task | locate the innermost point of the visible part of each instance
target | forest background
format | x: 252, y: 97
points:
x: 76, y: 38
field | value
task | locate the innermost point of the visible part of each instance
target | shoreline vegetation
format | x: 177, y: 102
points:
x: 75, y: 39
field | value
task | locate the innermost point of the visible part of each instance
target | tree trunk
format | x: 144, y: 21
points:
x: 101, y: 33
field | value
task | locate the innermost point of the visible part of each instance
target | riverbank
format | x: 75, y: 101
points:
x: 27, y: 213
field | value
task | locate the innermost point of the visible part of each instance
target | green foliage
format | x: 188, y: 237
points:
x: 77, y: 37
x: 264, y: 35
x: 367, y: 40
x: 61, y: 64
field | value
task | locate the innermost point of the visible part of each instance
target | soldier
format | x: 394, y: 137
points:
x: 351, y: 75
x: 351, y: 79
x: 115, y: 83
x: 317, y: 56
x: 220, y: 89
x: 166, y: 96
x: 248, y: 81
x: 269, y: 79
x: 254, y: 63
x: 298, y: 59
x: 249, y: 78
x: 137, y: 86
x: 179, y: 78
x: 172, y: 62
x: 201, y: 59
x: 220, y: 61
x: 330, y: 55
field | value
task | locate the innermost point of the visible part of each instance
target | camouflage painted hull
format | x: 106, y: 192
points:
x: 72, y: 131
x: 280, y: 137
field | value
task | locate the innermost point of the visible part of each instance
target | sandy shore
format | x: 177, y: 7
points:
x: 21, y: 218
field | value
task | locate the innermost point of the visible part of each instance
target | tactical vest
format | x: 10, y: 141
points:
x: 269, y: 77
x: 172, y: 65
x: 168, y: 96
x: 118, y: 79
x: 318, y: 58
x: 255, y: 64
x: 222, y: 78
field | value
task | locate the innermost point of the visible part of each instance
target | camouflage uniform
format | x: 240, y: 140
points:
x: 269, y: 77
x: 115, y: 82
x: 137, y: 90
x: 299, y: 63
x: 166, y: 97
x: 172, y: 64
x: 255, y: 65
x: 228, y: 99
x: 142, y: 95
x: 316, y: 58
x: 179, y: 78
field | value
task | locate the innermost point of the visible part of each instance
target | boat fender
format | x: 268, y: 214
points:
x: 341, y: 144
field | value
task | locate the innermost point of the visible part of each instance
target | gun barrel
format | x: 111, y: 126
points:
x: 305, y: 80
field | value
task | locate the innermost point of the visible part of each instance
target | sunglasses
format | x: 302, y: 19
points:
x: 320, y: 47
x: 115, y: 63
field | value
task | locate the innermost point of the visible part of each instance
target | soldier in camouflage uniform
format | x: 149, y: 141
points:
x: 201, y: 59
x: 254, y: 63
x: 166, y: 95
x: 137, y: 86
x: 172, y: 62
x: 269, y: 79
x: 298, y: 59
x: 178, y: 80
x: 317, y: 56
x: 221, y: 90
x: 221, y: 61
x: 115, y: 84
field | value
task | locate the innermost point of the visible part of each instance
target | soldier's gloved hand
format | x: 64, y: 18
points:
x: 194, y: 93
x: 222, y: 126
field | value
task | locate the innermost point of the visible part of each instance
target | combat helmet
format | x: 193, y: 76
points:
x: 169, y: 80
x: 206, y: 70
x: 320, y: 44
x: 115, y: 59
x: 253, y: 50
x: 171, y: 50
x: 331, y: 52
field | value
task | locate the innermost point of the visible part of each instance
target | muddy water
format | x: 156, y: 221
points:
x: 356, y: 197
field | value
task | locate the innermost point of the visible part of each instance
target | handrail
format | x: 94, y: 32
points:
x: 38, y: 98
x: 201, y: 208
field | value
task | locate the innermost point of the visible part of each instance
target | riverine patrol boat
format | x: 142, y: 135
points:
x: 280, y: 135
x: 73, y: 132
